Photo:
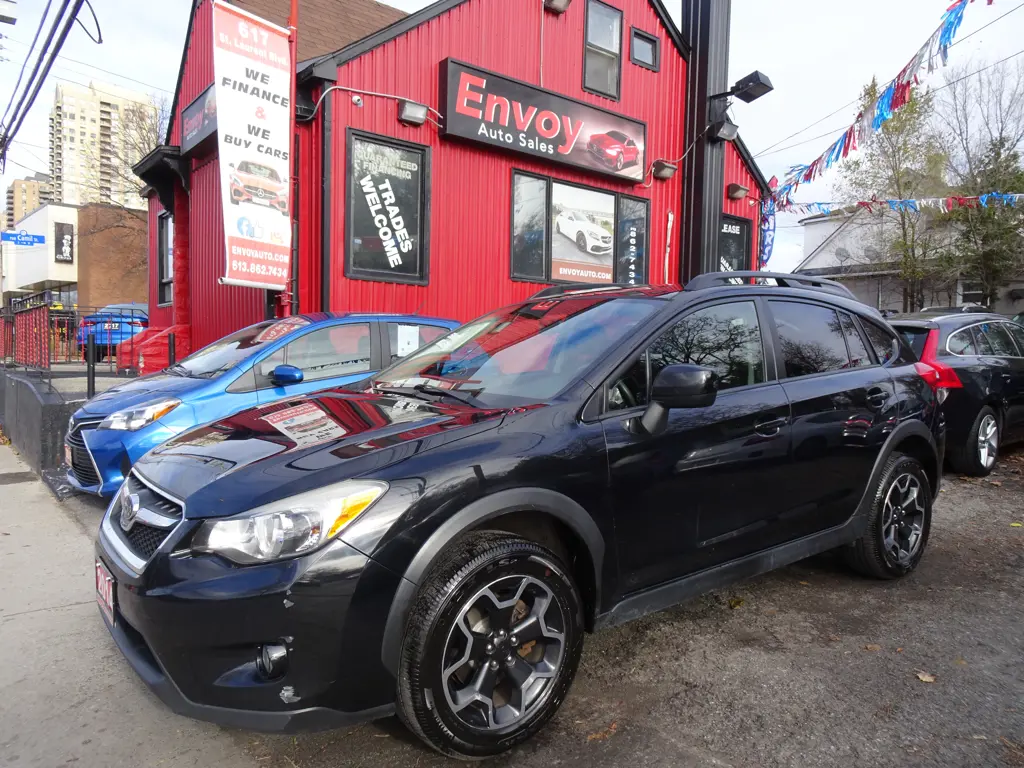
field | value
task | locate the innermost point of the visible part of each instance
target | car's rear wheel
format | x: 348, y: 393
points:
x: 976, y: 455
x: 581, y: 241
x: 491, y: 646
x: 901, y: 518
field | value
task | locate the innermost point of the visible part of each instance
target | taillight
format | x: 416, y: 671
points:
x: 940, y: 377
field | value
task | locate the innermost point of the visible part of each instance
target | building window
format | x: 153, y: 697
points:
x: 566, y: 233
x: 165, y: 257
x: 388, y: 210
x: 644, y: 50
x: 734, y: 244
x: 602, y: 53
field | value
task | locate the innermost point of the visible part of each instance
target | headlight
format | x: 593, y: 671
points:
x: 132, y: 419
x: 290, y: 527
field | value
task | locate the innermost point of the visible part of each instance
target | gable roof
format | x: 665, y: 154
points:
x: 324, y: 25
x: 850, y: 216
x: 323, y: 66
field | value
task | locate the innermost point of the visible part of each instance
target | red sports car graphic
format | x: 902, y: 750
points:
x: 614, y: 148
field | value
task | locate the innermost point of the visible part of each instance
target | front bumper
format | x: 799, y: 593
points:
x: 192, y: 626
x: 101, y: 458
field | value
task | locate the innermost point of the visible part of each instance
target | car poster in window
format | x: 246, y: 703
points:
x: 488, y: 108
x: 582, y: 223
x: 386, y: 188
x: 252, y: 67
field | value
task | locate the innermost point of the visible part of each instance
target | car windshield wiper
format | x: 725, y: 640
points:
x: 179, y: 370
x: 462, y: 397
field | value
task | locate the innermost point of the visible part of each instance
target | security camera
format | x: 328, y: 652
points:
x: 357, y: 99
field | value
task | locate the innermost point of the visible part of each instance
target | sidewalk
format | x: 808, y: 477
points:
x: 66, y: 694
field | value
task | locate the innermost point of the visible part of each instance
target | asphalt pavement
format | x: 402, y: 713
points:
x: 808, y: 666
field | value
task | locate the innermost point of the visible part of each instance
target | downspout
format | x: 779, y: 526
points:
x: 182, y: 313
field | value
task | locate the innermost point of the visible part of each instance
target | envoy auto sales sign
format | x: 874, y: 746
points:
x: 494, y: 110
x: 252, y: 67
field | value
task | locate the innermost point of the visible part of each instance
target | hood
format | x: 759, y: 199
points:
x: 270, y: 452
x: 141, y: 391
x: 604, y: 141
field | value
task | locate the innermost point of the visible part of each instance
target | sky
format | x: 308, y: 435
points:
x: 818, y: 54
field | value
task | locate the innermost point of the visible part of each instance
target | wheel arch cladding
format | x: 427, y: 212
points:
x: 920, y: 448
x: 542, y: 511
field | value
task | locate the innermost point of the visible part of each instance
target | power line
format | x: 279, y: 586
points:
x: 933, y: 90
x: 21, y: 72
x: 851, y: 103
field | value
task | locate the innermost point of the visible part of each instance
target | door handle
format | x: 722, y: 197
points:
x: 769, y: 427
x: 877, y: 397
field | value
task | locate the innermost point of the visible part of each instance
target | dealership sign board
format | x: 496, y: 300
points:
x: 252, y: 67
x: 199, y: 120
x: 494, y: 110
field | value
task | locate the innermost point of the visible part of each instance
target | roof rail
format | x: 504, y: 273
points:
x: 566, y: 288
x: 782, y: 279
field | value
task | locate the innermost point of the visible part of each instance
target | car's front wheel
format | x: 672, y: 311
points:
x: 581, y: 242
x: 901, y: 519
x: 491, y: 646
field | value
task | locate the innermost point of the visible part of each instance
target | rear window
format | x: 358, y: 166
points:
x: 915, y: 338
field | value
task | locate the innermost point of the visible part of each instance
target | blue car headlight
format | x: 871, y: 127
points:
x: 132, y: 419
x: 290, y: 527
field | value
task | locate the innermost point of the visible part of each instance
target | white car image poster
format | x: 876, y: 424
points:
x: 252, y: 70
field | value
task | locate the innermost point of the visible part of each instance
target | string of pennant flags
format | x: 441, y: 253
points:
x: 943, y: 204
x: 895, y: 95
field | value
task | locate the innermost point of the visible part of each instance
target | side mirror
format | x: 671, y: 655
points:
x: 284, y: 375
x: 677, y: 386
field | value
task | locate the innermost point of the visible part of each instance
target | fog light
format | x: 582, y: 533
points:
x: 272, y: 661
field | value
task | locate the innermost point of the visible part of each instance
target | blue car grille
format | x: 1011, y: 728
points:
x: 144, y: 539
x: 81, y: 459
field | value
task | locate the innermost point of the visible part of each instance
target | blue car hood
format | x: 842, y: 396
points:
x: 265, y: 453
x: 141, y: 391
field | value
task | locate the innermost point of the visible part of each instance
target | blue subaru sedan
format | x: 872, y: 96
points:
x: 264, y: 362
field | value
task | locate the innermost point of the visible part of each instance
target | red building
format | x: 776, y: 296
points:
x: 500, y: 192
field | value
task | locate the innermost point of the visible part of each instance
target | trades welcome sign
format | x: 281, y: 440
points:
x: 252, y: 68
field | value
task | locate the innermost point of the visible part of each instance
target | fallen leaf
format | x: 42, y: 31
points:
x: 770, y: 611
x: 605, y: 734
x: 925, y: 677
x: 1016, y: 525
x: 735, y: 602
x: 872, y: 647
x: 961, y: 662
x: 834, y: 638
x: 979, y: 737
x: 996, y: 483
x: 899, y: 650
x: 806, y: 583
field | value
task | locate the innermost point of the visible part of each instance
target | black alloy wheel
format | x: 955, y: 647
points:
x: 581, y: 242
x: 492, y: 646
x: 901, y: 515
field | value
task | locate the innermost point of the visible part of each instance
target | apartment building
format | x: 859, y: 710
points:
x: 25, y: 195
x: 96, y: 134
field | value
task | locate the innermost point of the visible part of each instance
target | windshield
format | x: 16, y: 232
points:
x: 523, y: 355
x: 258, y: 170
x: 224, y: 354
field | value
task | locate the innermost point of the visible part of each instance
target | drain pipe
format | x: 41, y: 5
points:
x: 668, y: 243
x: 541, y: 43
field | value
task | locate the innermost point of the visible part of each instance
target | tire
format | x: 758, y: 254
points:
x: 439, y: 663
x: 968, y: 458
x: 893, y: 519
x: 619, y: 161
x: 581, y: 242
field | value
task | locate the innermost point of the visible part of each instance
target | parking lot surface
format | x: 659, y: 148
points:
x: 811, y: 665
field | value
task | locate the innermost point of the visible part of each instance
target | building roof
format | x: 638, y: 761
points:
x: 326, y: 25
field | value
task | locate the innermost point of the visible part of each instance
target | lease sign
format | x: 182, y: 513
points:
x: 252, y: 71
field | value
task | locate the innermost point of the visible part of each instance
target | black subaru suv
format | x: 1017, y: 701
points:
x: 438, y: 543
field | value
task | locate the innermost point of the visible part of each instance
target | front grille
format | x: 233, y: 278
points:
x: 261, y: 193
x: 144, y: 539
x: 81, y: 459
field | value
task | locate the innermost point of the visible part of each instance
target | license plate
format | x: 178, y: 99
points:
x: 260, y: 200
x: 105, y: 591
x: 67, y: 454
x: 111, y: 326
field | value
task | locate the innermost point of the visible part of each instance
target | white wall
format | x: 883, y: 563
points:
x: 37, y: 263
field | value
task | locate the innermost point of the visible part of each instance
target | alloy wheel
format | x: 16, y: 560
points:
x: 503, y: 653
x: 903, y: 518
x: 988, y: 441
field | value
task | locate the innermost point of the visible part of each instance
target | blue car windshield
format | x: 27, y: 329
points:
x: 526, y: 354
x: 224, y: 354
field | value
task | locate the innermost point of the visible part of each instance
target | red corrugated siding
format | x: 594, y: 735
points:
x: 159, y: 317
x: 308, y: 206
x: 736, y: 172
x: 216, y: 309
x: 198, y: 73
x: 471, y: 187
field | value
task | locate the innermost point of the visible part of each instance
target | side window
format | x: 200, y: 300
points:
x: 337, y: 351
x: 811, y: 337
x: 1000, y: 340
x: 981, y: 342
x: 859, y: 356
x: 406, y: 338
x: 962, y: 343
x: 885, y: 344
x: 1018, y: 336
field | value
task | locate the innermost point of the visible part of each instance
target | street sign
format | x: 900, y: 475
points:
x: 22, y: 238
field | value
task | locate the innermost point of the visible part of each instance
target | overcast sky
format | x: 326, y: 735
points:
x: 817, y: 54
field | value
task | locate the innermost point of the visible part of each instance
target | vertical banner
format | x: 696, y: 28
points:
x: 252, y: 78
x: 64, y: 242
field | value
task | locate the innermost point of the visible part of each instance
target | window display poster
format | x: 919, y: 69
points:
x: 582, y: 225
x: 306, y: 425
x: 386, y: 188
x: 632, y: 241
x: 252, y: 67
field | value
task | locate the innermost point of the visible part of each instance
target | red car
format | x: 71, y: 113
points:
x: 614, y: 148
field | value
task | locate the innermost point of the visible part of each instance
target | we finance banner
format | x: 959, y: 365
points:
x: 252, y: 71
